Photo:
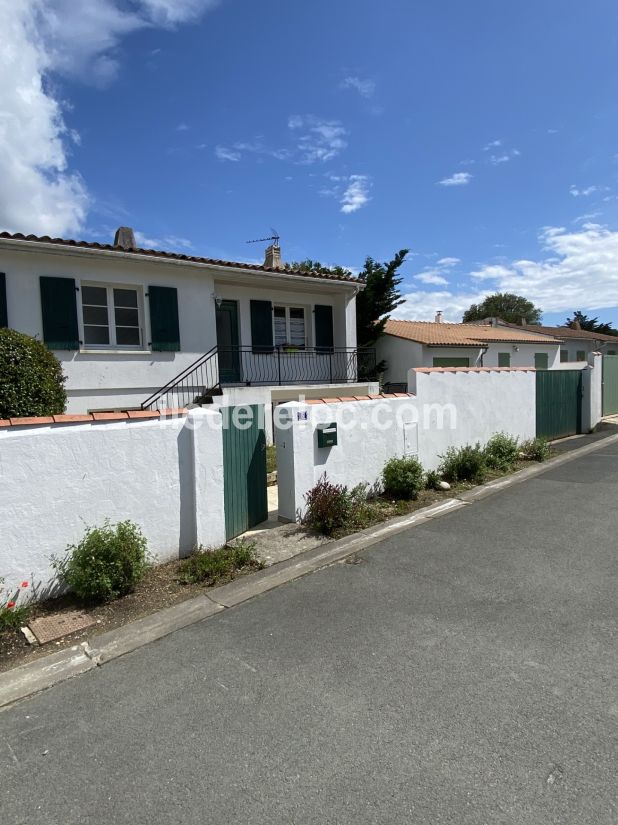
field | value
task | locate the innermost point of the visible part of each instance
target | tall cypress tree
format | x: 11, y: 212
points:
x: 379, y: 298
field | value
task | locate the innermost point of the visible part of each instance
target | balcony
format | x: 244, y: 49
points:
x: 233, y: 366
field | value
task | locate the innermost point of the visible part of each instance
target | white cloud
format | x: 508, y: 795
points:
x: 458, y: 179
x: 579, y: 193
x: 505, y: 157
x: 494, y: 144
x: 579, y: 271
x: 167, y: 243
x: 182, y: 127
x: 319, y: 140
x: 356, y: 194
x: 40, y: 38
x: 222, y: 153
x: 365, y: 87
x: 448, y: 263
x: 430, y: 277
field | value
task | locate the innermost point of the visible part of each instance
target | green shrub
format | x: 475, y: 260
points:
x: 330, y: 507
x: 536, y: 449
x: 501, y: 452
x: 107, y: 563
x: 403, y: 478
x: 31, y: 379
x: 432, y: 479
x: 210, y: 566
x: 464, y: 464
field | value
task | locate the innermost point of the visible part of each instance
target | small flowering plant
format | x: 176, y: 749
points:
x: 12, y: 616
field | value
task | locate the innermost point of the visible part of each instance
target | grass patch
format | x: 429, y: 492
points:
x: 212, y: 566
x: 271, y: 458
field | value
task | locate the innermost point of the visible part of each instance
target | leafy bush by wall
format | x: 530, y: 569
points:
x: 31, y: 379
x: 403, y: 478
x: 107, y: 563
x: 464, y: 464
x: 501, y: 452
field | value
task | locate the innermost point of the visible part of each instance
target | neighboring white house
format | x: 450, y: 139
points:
x: 576, y: 343
x: 125, y: 321
x: 407, y: 344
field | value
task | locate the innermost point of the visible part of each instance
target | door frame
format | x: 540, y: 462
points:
x: 231, y: 374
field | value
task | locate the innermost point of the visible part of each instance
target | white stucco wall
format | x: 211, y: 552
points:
x: 402, y: 355
x: 449, y: 409
x: 119, y: 379
x: 166, y: 476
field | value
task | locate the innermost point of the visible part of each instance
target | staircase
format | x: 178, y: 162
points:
x: 197, y: 384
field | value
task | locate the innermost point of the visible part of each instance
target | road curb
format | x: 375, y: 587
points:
x: 26, y: 680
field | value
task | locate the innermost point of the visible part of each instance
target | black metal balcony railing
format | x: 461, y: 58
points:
x: 260, y: 367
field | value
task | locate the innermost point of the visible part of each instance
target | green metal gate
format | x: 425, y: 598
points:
x: 610, y: 384
x: 244, y: 468
x: 558, y: 403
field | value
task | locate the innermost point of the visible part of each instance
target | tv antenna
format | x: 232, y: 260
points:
x: 274, y: 237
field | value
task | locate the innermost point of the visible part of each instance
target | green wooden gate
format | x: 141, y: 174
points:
x: 244, y: 468
x: 558, y: 403
x: 610, y: 384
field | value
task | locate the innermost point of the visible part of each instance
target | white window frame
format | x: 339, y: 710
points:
x: 287, y: 308
x: 110, y: 287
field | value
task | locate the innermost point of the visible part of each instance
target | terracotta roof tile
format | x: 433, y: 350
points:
x: 176, y: 256
x: 566, y: 332
x: 462, y: 335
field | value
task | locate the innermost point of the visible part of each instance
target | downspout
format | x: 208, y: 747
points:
x: 483, y: 352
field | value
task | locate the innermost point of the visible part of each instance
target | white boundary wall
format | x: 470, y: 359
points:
x: 166, y: 476
x: 449, y: 408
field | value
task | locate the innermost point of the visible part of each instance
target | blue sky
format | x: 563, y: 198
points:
x: 482, y: 136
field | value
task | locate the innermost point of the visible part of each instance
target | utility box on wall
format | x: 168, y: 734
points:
x: 327, y: 435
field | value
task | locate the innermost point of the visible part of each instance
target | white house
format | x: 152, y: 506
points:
x: 408, y: 344
x: 576, y: 343
x: 125, y: 322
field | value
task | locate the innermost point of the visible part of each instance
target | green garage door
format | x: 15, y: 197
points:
x: 610, y: 384
x: 244, y: 468
x: 558, y: 403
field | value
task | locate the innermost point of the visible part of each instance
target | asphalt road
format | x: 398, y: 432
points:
x: 462, y: 672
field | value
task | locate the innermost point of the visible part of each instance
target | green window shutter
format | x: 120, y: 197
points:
x: 504, y: 359
x: 581, y: 355
x: 59, y: 310
x: 4, y: 316
x: 564, y: 356
x: 324, y: 335
x: 451, y: 362
x: 164, y: 327
x: 541, y: 360
x: 261, y: 326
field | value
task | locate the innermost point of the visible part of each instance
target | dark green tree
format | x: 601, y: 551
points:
x: 590, y: 324
x: 379, y: 297
x: 510, y: 308
x: 376, y: 301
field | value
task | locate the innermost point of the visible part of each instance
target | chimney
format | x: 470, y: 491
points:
x: 522, y: 322
x: 439, y: 316
x: 125, y: 237
x: 272, y: 257
x: 576, y: 325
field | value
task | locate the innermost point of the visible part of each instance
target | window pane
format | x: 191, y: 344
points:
x: 127, y: 336
x: 96, y: 295
x: 126, y: 317
x: 95, y: 315
x: 280, y: 312
x: 280, y: 329
x: 297, y: 327
x: 96, y: 335
x: 125, y: 298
